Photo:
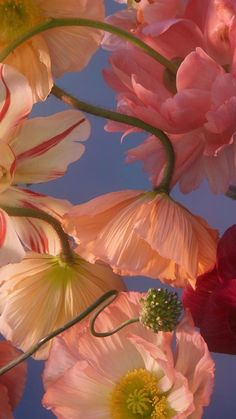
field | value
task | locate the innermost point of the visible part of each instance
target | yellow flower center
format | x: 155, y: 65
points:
x: 17, y: 16
x: 137, y: 396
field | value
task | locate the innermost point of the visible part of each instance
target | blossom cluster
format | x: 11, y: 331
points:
x: 172, y: 64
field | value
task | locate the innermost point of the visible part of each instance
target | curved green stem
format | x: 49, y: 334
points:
x: 129, y: 120
x: 41, y: 215
x: 56, y: 23
x: 113, y: 331
x: 34, y: 348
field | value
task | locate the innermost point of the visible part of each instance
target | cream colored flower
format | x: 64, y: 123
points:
x: 42, y: 293
x: 55, y: 51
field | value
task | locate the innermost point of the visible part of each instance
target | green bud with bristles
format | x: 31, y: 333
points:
x: 160, y: 310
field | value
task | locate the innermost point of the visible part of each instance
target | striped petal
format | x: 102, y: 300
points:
x: 13, y: 87
x: 36, y: 235
x: 46, y: 154
x: 11, y: 249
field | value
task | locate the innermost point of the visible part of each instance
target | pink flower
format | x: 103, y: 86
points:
x: 197, y: 110
x: 134, y: 371
x: 137, y: 232
x: 213, y: 302
x: 55, y: 51
x: 33, y: 151
x: 12, y: 383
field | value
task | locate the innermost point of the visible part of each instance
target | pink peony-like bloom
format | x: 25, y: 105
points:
x: 197, y: 109
x: 143, y: 233
x: 33, y: 151
x: 55, y: 51
x: 213, y: 302
x: 134, y: 372
x: 199, y: 119
x: 43, y: 292
x: 12, y: 383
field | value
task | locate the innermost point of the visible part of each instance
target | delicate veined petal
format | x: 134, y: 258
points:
x: 53, y: 146
x: 38, y: 72
x: 11, y: 249
x: 42, y: 293
x: 13, y: 110
x: 149, y: 234
x: 191, y: 349
x: 132, y: 371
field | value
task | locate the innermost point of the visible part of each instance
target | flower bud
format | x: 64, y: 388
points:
x: 160, y: 310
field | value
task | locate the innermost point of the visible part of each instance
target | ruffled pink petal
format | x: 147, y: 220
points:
x: 75, y: 394
x: 46, y: 155
x: 205, y: 71
x: 193, y: 360
x: 13, y: 110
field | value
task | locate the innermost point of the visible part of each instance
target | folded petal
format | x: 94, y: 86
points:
x: 13, y: 86
x: 11, y: 249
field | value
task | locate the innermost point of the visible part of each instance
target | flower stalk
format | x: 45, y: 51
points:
x: 108, y: 297
x: 129, y: 120
x: 89, y: 23
x: 66, y: 250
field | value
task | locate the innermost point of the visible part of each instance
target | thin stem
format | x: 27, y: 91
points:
x: 125, y: 119
x: 55, y: 23
x: 110, y: 332
x: 41, y: 215
x: 111, y: 295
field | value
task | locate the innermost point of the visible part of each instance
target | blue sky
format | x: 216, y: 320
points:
x: 101, y: 170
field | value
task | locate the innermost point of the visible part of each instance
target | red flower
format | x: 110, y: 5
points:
x: 213, y: 302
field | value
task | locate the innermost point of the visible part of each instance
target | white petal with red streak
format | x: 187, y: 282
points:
x: 46, y: 146
x: 11, y: 249
x: 36, y: 235
x: 13, y: 87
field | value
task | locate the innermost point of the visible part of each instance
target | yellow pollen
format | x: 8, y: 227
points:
x: 137, y: 396
x: 17, y: 16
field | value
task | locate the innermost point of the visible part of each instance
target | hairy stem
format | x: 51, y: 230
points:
x: 55, y: 23
x: 129, y: 120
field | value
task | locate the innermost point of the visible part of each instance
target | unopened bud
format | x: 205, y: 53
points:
x: 160, y: 310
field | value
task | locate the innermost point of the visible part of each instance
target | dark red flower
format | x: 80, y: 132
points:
x: 213, y: 302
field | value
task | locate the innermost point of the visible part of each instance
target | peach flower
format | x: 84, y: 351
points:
x: 144, y: 233
x: 134, y: 372
x: 43, y: 292
x: 12, y: 383
x: 55, y: 51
